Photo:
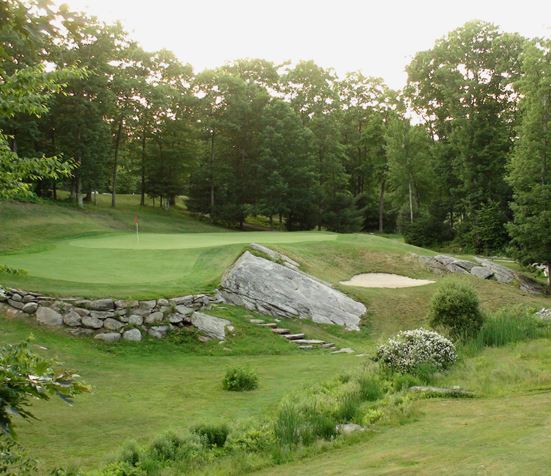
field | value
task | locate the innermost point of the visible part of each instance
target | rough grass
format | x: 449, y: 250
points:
x: 142, y: 390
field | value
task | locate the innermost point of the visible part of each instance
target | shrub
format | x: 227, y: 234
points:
x: 251, y: 437
x: 456, y: 308
x: 371, y: 387
x: 14, y: 271
x: 239, y: 380
x: 411, y: 351
x: 213, y: 435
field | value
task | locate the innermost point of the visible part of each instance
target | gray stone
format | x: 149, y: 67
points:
x: 81, y: 331
x: 81, y: 311
x: 72, y: 319
x: 16, y: 304
x: 29, y: 298
x: 30, y: 307
x: 3, y: 297
x: 16, y: 297
x: 275, y: 256
x: 120, y: 304
x: 256, y: 282
x: 344, y: 350
x: 186, y: 311
x: 482, y: 272
x: 158, y: 331
x: 214, y: 327
x: 101, y: 305
x: 133, y: 335
x: 10, y: 312
x: 112, y: 324
x: 544, y: 314
x: 144, y: 308
x: 48, y: 317
x: 108, y: 336
x: 501, y: 273
x: 162, y: 302
x: 82, y: 303
x: 176, y: 318
x: 349, y: 428
x: 441, y: 391
x: 154, y: 318
x: 135, y: 320
x: 92, y: 322
x: 101, y: 314
x: 184, y: 300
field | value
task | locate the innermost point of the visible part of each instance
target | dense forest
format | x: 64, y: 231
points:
x: 460, y: 155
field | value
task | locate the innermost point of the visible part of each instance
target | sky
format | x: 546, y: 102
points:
x: 378, y: 38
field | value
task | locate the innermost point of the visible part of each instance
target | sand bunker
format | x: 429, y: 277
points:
x: 384, y: 280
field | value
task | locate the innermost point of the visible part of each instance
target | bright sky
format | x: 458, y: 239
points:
x: 377, y: 37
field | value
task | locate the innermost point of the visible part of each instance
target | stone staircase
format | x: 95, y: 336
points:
x: 299, y: 339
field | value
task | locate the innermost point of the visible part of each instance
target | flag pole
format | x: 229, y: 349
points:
x: 136, y: 222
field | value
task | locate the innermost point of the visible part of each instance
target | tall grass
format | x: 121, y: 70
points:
x: 507, y: 326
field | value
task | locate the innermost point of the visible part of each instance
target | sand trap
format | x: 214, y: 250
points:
x: 384, y: 280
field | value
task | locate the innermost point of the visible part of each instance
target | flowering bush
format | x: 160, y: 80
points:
x: 410, y: 350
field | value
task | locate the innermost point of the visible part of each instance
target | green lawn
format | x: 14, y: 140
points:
x: 503, y: 431
x: 142, y: 390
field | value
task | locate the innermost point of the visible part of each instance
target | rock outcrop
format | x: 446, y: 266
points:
x: 275, y: 289
x: 483, y: 269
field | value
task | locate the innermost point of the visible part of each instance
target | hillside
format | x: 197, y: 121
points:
x: 142, y: 390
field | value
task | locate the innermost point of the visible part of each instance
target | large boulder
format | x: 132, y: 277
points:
x: 48, y: 317
x: 214, y: 327
x: 501, y: 273
x: 271, y: 288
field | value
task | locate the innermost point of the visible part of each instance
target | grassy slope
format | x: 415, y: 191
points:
x: 505, y: 431
x: 144, y: 389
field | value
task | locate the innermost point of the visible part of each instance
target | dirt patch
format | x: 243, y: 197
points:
x: 384, y: 280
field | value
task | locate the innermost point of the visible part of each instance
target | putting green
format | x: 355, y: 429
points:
x: 159, y: 264
x: 158, y: 241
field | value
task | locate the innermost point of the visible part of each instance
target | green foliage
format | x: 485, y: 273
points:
x: 371, y: 387
x: 426, y: 230
x: 13, y: 458
x: 510, y: 325
x: 456, y: 308
x: 240, y: 379
x: 13, y: 271
x: 25, y: 376
x: 419, y: 352
x: 213, y: 435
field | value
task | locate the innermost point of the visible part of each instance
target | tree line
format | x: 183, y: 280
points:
x: 461, y: 153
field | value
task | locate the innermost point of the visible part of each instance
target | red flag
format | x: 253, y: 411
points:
x: 136, y: 219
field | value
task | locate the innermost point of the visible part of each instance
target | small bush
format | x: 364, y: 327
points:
x: 239, y: 380
x: 371, y: 388
x: 13, y: 271
x: 413, y: 351
x: 213, y: 435
x: 402, y: 382
x: 251, y: 437
x: 456, y: 308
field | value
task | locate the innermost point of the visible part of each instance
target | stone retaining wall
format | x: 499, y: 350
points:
x: 110, y: 320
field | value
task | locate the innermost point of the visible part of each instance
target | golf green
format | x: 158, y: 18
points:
x: 119, y: 264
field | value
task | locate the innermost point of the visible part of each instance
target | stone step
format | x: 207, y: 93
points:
x: 308, y: 341
x: 257, y: 321
x: 269, y: 324
x: 328, y: 345
x: 280, y: 331
x: 305, y: 347
x: 294, y: 336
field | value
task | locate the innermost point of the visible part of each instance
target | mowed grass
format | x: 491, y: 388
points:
x: 142, y: 390
x: 505, y: 430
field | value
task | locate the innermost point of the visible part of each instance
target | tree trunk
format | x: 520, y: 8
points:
x: 549, y: 276
x: 142, y: 188
x: 410, y: 203
x: 212, y: 173
x: 382, y: 205
x: 54, y: 190
x: 115, y: 163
